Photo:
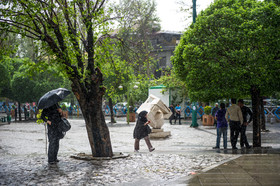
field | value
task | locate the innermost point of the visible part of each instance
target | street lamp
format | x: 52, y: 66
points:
x: 120, y: 87
x: 194, y: 111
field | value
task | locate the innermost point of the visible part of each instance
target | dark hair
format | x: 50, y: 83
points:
x: 233, y: 100
x: 223, y: 106
x: 241, y: 101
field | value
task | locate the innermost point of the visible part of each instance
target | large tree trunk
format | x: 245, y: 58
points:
x: 90, y: 101
x: 255, y: 94
x: 111, y: 111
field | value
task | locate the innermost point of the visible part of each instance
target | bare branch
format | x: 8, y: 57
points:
x: 44, y: 2
x: 95, y: 6
x: 73, y: 35
x: 26, y: 35
x: 101, y: 5
x: 20, y: 26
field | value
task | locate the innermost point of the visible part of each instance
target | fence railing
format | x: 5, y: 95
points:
x: 270, y: 112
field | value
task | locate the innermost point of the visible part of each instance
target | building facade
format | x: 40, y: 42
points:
x: 164, y: 44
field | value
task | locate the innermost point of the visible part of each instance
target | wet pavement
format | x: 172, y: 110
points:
x: 255, y: 170
x: 176, y: 160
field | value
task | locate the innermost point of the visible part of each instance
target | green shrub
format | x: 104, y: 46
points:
x: 207, y: 110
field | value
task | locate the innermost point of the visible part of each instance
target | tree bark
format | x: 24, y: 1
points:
x: 255, y: 95
x: 111, y: 111
x: 90, y: 101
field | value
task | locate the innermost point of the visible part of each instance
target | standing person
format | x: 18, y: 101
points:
x: 25, y: 112
x: 245, y: 112
x: 173, y: 114
x: 222, y: 126
x: 178, y: 113
x: 235, y: 120
x: 142, y: 130
x: 16, y: 112
x: 214, y: 111
x: 52, y: 116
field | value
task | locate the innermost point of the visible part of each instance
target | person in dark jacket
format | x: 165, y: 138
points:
x: 214, y: 111
x: 142, y: 130
x: 173, y: 114
x: 52, y: 116
x: 222, y: 126
x: 245, y: 112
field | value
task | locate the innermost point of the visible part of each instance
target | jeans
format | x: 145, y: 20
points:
x: 171, y: 118
x: 179, y: 116
x: 234, y: 132
x: 221, y: 131
x: 243, y: 137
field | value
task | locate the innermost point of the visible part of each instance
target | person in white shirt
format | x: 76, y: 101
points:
x: 235, y: 119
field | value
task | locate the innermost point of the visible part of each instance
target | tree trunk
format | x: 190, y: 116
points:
x: 111, y: 111
x: 97, y: 130
x: 263, y: 127
x: 255, y: 94
x: 90, y: 100
x: 19, y: 112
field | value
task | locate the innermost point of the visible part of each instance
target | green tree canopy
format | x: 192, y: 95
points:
x: 233, y: 47
x: 24, y: 84
x: 5, y: 80
x: 139, y: 22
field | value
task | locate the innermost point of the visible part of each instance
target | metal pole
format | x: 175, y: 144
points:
x: 127, y: 106
x: 194, y: 110
x: 194, y: 11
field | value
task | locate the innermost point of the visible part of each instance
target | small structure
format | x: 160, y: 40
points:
x: 161, y: 93
x: 157, y: 112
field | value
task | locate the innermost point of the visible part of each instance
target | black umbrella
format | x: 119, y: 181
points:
x: 52, y: 97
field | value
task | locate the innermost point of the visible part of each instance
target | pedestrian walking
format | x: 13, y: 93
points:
x: 173, y: 114
x: 178, y: 113
x: 52, y: 116
x: 234, y: 118
x: 222, y: 126
x: 142, y: 130
x: 245, y: 112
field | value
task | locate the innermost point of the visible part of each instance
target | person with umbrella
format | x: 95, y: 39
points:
x: 52, y: 115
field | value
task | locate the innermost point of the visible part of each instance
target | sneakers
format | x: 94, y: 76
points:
x: 152, y: 149
x: 216, y: 147
x: 136, y: 151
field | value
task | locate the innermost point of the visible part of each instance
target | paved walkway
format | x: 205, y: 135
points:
x: 257, y: 169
